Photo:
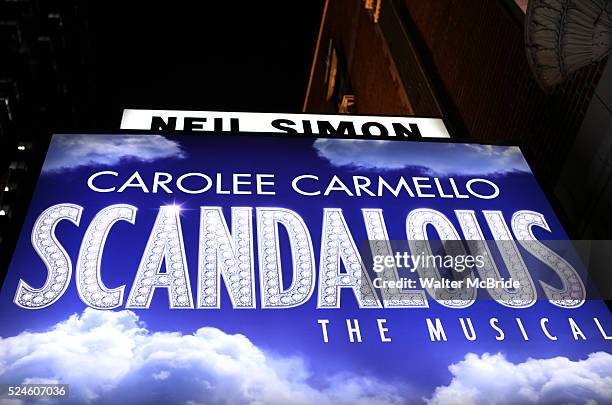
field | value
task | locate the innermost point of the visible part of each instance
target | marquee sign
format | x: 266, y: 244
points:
x: 274, y: 123
x: 190, y: 268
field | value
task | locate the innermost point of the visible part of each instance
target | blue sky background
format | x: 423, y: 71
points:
x: 412, y: 363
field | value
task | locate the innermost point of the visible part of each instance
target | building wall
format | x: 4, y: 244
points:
x: 584, y: 188
x: 42, y: 80
x: 476, y: 49
x: 473, y: 55
x: 366, y: 64
x: 375, y: 79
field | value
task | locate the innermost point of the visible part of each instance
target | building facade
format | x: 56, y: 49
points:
x: 42, y: 76
x: 464, y: 61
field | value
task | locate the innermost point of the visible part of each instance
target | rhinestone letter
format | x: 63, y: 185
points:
x: 91, y: 289
x: 53, y: 255
x: 227, y: 255
x: 273, y: 295
x: 416, y: 229
x: 572, y: 294
x: 338, y: 247
x: 165, y: 244
x: 380, y: 246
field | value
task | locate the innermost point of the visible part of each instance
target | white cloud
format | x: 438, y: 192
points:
x: 436, y: 158
x: 71, y: 151
x: 491, y: 379
x: 162, y: 375
x: 111, y: 357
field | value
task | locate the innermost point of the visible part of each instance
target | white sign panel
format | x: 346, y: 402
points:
x: 308, y: 124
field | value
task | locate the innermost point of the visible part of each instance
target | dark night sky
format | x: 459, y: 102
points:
x: 209, y: 55
x: 227, y: 55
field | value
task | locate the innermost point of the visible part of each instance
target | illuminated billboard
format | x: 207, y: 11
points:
x: 342, y: 125
x: 193, y: 268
